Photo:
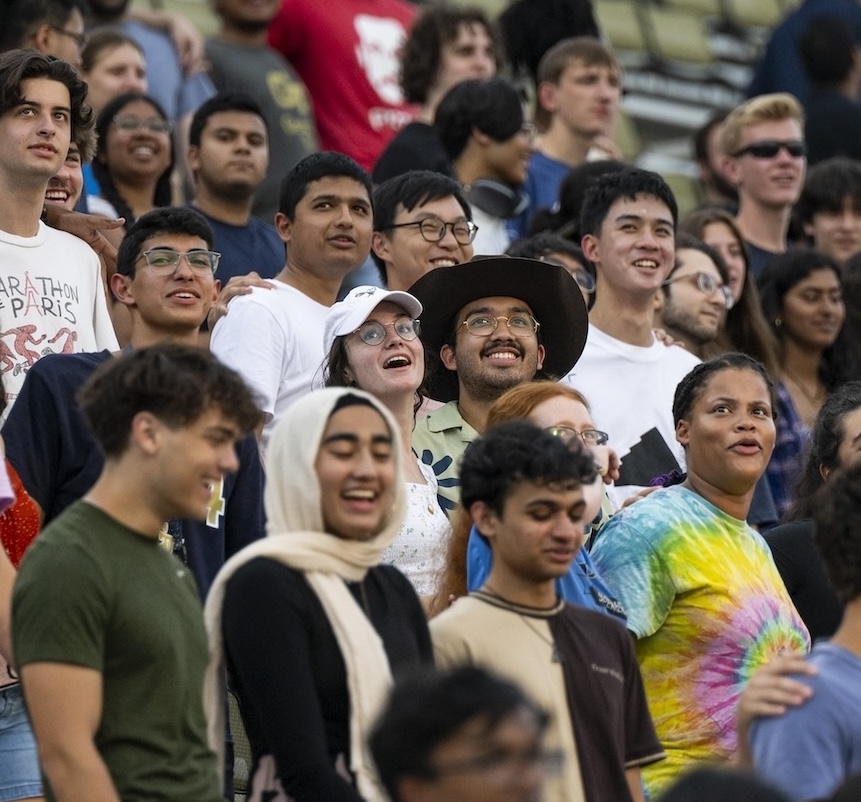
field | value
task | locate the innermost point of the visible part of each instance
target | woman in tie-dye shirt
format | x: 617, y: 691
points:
x: 704, y: 598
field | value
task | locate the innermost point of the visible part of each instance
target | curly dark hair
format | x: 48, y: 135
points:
x: 837, y: 523
x: 515, y: 452
x: 102, y: 171
x: 176, y: 383
x: 422, y: 52
x: 17, y: 66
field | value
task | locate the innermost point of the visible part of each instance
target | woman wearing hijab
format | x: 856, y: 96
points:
x: 308, y: 623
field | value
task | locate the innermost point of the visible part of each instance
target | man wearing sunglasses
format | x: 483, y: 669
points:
x: 695, y: 297
x: 765, y: 160
x: 421, y: 221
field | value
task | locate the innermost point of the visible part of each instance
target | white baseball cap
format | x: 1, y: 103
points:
x: 348, y: 314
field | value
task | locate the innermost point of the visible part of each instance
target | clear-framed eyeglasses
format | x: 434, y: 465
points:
x: 372, y: 332
x: 708, y: 285
x: 480, y: 324
x: 164, y: 261
x: 433, y: 229
x: 591, y: 437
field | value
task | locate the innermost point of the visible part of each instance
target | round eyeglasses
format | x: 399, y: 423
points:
x: 707, y: 285
x: 372, y: 332
x: 591, y: 437
x: 483, y: 325
x: 164, y: 261
x: 433, y: 229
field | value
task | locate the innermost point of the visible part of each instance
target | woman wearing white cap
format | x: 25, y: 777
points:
x: 372, y: 342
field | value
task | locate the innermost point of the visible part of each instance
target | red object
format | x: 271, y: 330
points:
x: 21, y: 522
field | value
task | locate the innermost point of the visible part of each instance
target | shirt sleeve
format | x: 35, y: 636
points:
x: 636, y: 574
x: 802, y: 752
x: 249, y: 340
x: 59, y: 621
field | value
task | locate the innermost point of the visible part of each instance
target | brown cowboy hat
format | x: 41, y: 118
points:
x: 549, y: 290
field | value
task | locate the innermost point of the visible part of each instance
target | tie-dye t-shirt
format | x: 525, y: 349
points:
x: 708, y: 607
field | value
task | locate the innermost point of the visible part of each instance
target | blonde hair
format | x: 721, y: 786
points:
x: 759, y: 109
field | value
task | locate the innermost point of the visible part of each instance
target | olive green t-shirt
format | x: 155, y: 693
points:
x: 92, y: 593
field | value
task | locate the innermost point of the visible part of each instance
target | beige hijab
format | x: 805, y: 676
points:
x: 297, y: 538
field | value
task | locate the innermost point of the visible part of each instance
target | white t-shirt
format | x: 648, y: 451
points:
x: 274, y: 340
x: 630, y: 390
x: 52, y: 300
x: 492, y: 237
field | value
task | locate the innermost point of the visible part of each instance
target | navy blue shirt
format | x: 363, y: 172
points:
x: 49, y: 444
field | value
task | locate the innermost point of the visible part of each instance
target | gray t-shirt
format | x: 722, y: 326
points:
x: 264, y: 75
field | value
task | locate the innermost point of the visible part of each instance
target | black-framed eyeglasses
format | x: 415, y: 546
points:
x: 502, y: 768
x: 81, y: 39
x: 482, y: 325
x: 585, y: 280
x: 591, y: 437
x: 164, y: 261
x: 769, y: 148
x: 433, y: 229
x: 372, y: 332
x: 128, y: 122
x: 708, y: 285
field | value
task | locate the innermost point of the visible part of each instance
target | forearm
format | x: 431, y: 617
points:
x: 7, y: 578
x: 635, y: 784
x: 76, y: 772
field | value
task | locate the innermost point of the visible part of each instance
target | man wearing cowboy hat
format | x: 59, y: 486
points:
x: 533, y: 326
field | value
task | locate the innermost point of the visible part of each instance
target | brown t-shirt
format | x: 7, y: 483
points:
x: 580, y: 666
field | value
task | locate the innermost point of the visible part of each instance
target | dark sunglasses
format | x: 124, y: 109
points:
x: 769, y: 148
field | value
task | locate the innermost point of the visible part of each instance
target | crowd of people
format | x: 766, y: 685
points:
x: 376, y: 433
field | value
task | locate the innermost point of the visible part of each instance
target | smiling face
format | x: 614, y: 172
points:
x: 233, y: 155
x: 36, y: 133
x: 813, y: 311
x: 65, y: 187
x: 192, y: 459
x: 508, y: 160
x: 115, y: 71
x: 392, y: 369
x: 356, y: 470
x: 171, y: 305
x: 487, y: 365
x: 728, y: 436
x: 330, y: 233
x: 687, y: 310
x: 635, y: 249
x: 722, y: 238
x: 837, y: 233
x: 408, y: 255
x: 139, y: 153
x: 772, y: 183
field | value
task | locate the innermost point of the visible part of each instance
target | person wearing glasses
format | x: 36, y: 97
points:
x: 765, y: 160
x: 564, y: 413
x: 462, y: 735
x: 485, y: 130
x: 421, y: 221
x: 480, y: 345
x: 695, y: 298
x: 134, y: 160
x: 525, y: 490
x: 52, y: 27
x: 372, y: 342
